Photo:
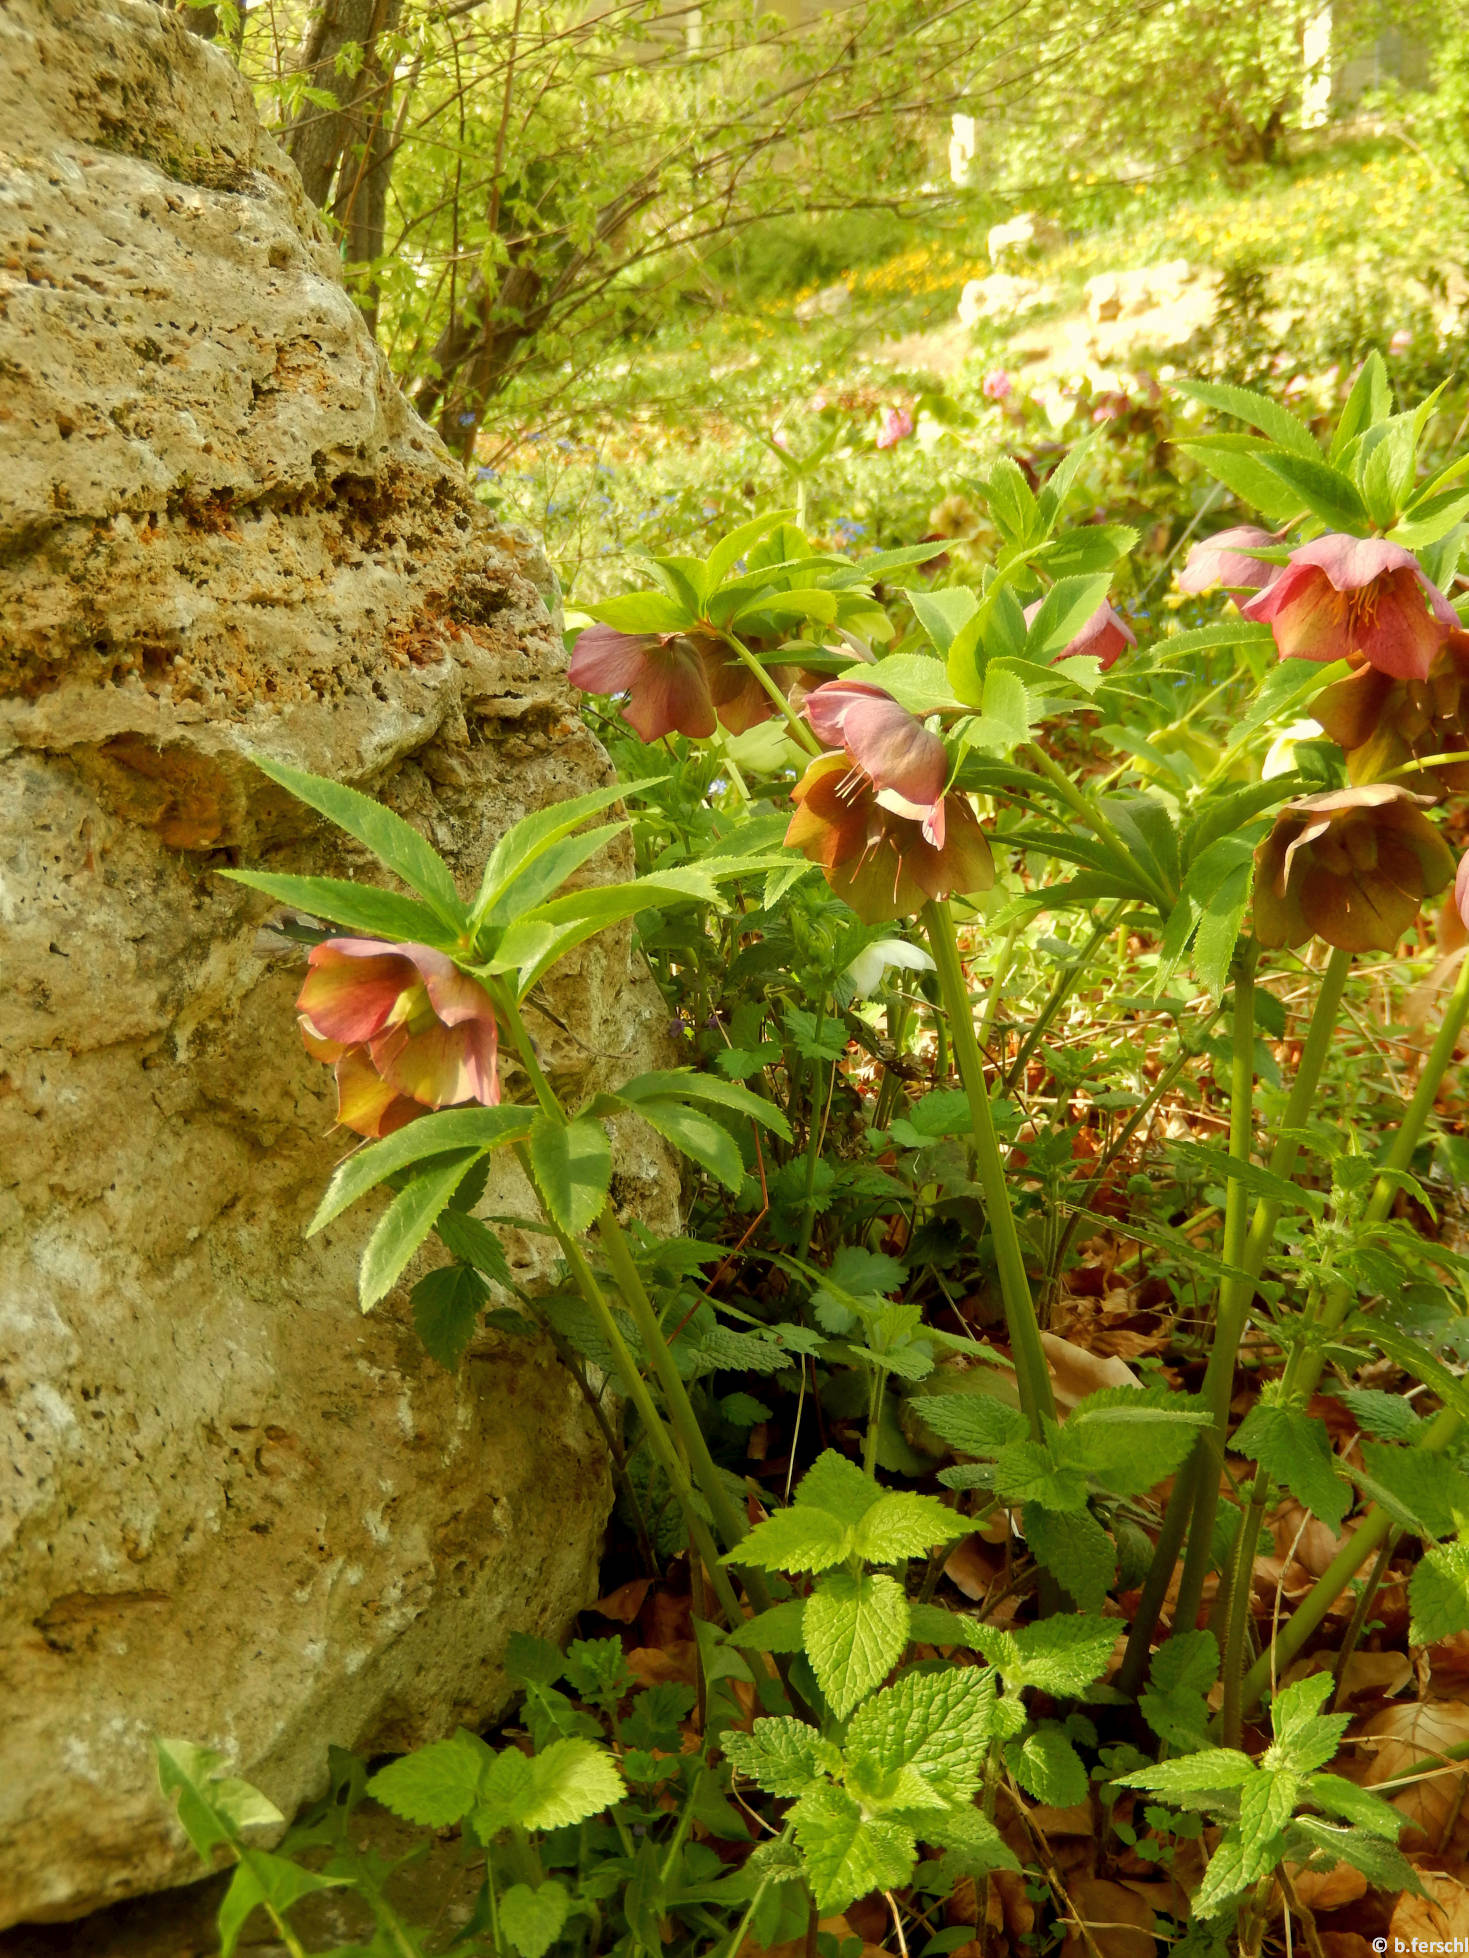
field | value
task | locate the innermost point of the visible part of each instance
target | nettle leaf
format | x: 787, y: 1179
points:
x: 838, y: 1486
x: 775, y: 1630
x: 1422, y: 1492
x: 1438, y: 1594
x: 1062, y: 1654
x: 784, y: 1757
x: 532, y: 1919
x: 931, y: 1624
x: 1296, y: 1450
x: 1359, y: 1806
x: 939, y: 1724
x: 847, y: 1854
x: 392, y: 841
x: 1388, y: 1416
x: 472, y: 1242
x: 903, y: 1524
x: 404, y: 1225
x: 1132, y: 1438
x: 1266, y: 1803
x: 855, y: 1629
x: 573, y: 1169
x: 570, y: 1781
x: 1074, y: 1547
x: 1049, y: 1473
x: 975, y: 1424
x: 801, y: 1538
x: 435, y: 1785
x: 1048, y: 1767
x: 446, y: 1308
x: 1175, y: 1704
x: 1384, y: 1866
x: 1233, y: 1867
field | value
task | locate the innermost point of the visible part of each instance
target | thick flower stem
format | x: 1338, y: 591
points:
x: 1196, y: 1488
x: 1032, y: 1373
x: 800, y: 732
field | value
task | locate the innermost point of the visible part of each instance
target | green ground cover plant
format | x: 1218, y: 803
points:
x: 1031, y: 950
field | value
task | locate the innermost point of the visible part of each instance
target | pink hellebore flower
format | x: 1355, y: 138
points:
x: 406, y: 1029
x: 1106, y: 636
x: 664, y: 674
x: 905, y: 762
x: 995, y: 385
x: 896, y: 423
x: 1461, y: 889
x: 1343, y: 596
x: 1221, y: 560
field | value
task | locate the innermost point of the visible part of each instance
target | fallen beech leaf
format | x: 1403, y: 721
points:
x: 653, y: 1665
x: 796, y: 1947
x: 1386, y: 1673
x: 1076, y: 1821
x: 1120, y: 1922
x: 1328, y: 1889
x: 971, y: 1568
x: 1304, y: 1538
x: 1448, y: 1661
x: 625, y: 1602
x: 1344, y: 1944
x: 1434, y: 1923
x: 1075, y: 1373
x: 1402, y: 1736
x: 1007, y: 1907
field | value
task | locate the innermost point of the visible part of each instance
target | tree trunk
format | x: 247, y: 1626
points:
x: 317, y: 138
x: 473, y: 354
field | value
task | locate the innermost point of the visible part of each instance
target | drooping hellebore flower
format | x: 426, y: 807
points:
x: 879, y: 861
x: 406, y: 1030
x: 1342, y: 596
x: 665, y: 676
x: 1106, y: 636
x: 1351, y: 867
x: 1222, y: 560
x: 906, y: 762
x: 1384, y: 723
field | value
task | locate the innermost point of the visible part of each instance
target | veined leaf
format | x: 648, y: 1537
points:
x: 1293, y: 1448
x: 526, y: 840
x: 684, y: 1084
x: 855, y: 1629
x: 532, y: 1919
x: 404, y: 1225
x: 1064, y: 610
x: 392, y: 841
x: 438, y: 1134
x: 846, y: 1853
x: 360, y: 907
x: 644, y: 611
x: 942, y: 613
x: 729, y: 550
x: 1326, y: 492
x: 698, y: 1136
x: 784, y: 1757
x: 572, y: 1162
x: 434, y: 1786
x: 939, y: 1723
x: 540, y: 879
x: 1259, y: 411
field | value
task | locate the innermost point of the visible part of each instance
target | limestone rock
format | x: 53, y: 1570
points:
x: 230, y: 1508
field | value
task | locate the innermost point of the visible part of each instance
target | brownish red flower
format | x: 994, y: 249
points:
x: 675, y: 682
x: 906, y: 762
x: 879, y: 861
x: 1351, y: 867
x: 1385, y: 723
x: 406, y: 1030
x: 1222, y: 560
x: 1341, y: 597
x: 1106, y: 636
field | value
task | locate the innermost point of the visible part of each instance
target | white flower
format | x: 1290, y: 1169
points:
x: 1281, y: 759
x: 864, y: 974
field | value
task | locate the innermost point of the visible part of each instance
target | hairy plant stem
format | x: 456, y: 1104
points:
x: 1032, y: 1374
x: 1200, y: 1473
x: 1377, y: 1526
x: 680, y: 1413
x: 818, y: 1099
x: 1234, y: 1294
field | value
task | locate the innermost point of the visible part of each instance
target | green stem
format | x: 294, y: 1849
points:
x: 1234, y: 1298
x: 1193, y: 1486
x: 1065, y: 985
x: 741, y: 1929
x: 800, y: 730
x: 1031, y: 1370
x: 1357, y: 1624
x: 997, y: 986
x: 1082, y: 806
x: 815, y: 1126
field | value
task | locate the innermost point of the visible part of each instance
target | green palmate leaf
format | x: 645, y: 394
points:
x: 855, y: 1629
x: 1438, y: 1594
x: 404, y: 1225
x: 446, y: 1308
x: 1048, y: 1767
x: 1369, y: 401
x: 942, y: 613
x: 533, y: 883
x: 847, y: 1854
x: 940, y: 1724
x: 1296, y: 1450
x: 214, y: 1806
x: 917, y: 682
x: 729, y: 550
x: 1178, y: 646
x: 644, y: 611
x: 784, y: 1757
x: 975, y: 1424
x: 572, y: 1162
x: 838, y: 1486
x: 1259, y: 411
x: 1062, y: 1654
x: 434, y: 1786
x: 797, y: 1539
x: 1064, y: 610
x: 525, y: 842
x: 361, y: 907
x: 1238, y: 462
x: 441, y: 1134
x: 570, y: 1781
x: 392, y: 841
x: 904, y: 1524
x: 683, y: 1084
x: 1011, y: 500
x: 261, y: 1878
x: 698, y: 1136
x: 532, y: 1919
x: 1074, y: 1548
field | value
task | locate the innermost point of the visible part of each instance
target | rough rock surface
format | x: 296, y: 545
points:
x: 230, y: 1508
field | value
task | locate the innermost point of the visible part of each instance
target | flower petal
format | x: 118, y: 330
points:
x: 352, y: 987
